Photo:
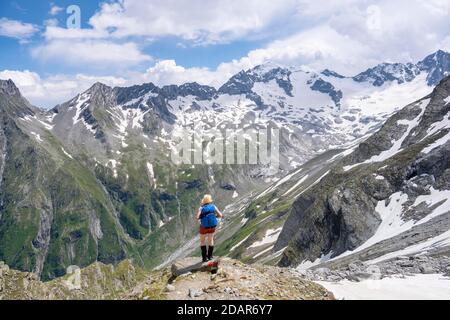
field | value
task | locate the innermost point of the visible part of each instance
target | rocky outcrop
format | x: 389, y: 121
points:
x: 233, y: 280
x: 95, y: 282
x: 326, y: 87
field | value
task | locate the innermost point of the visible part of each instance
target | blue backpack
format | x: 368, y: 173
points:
x: 208, y: 217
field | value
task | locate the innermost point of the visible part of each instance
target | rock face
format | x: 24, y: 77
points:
x: 95, y: 282
x: 390, y: 195
x: 234, y: 280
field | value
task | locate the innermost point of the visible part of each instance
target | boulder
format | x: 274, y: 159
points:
x: 427, y: 269
x: 194, y: 293
x: 355, y: 266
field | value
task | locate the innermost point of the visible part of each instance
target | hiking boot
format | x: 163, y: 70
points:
x: 210, y: 252
x: 204, y: 254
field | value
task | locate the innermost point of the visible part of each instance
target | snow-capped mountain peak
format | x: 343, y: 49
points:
x: 437, y: 65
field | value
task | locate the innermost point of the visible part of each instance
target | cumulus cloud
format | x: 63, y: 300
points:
x: 17, y: 29
x: 47, y: 92
x: 168, y: 72
x: 96, y: 53
x: 54, y: 10
x: 116, y: 26
x: 165, y: 72
x: 194, y: 20
x: 347, y: 36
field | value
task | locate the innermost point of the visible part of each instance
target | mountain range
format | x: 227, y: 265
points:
x: 92, y: 178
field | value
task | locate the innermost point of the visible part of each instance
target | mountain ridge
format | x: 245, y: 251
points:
x: 429, y: 63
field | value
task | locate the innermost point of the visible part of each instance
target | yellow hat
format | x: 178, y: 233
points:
x: 207, y: 198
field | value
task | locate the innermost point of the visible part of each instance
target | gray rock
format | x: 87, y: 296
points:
x: 421, y: 259
x: 419, y: 185
x: 170, y: 288
x: 405, y: 263
x: 445, y: 263
x: 349, y: 118
x: 374, y: 271
x: 194, y: 293
x: 323, y: 271
x: 353, y: 277
x: 327, y: 88
x: 362, y: 275
x: 403, y: 258
x: 427, y: 269
x: 228, y: 290
x: 334, y: 278
x: 356, y: 266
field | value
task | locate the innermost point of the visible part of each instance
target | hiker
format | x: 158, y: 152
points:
x: 207, y: 215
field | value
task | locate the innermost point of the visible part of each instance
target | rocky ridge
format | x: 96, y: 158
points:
x: 233, y: 280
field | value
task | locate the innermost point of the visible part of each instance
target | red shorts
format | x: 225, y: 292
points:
x: 204, y: 230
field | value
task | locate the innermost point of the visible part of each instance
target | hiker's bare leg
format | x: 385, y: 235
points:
x: 211, y: 239
x: 202, y: 239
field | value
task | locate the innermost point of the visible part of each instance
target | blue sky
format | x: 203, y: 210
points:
x: 16, y: 54
x: 124, y: 42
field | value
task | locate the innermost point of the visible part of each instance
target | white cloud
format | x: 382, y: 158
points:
x: 17, y: 29
x: 318, y: 48
x: 345, y: 35
x: 194, y: 20
x: 54, y: 10
x: 98, y: 53
x: 168, y: 72
x: 350, y: 36
x: 47, y: 92
x: 51, y: 22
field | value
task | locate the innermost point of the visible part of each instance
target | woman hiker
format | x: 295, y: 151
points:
x: 207, y: 215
